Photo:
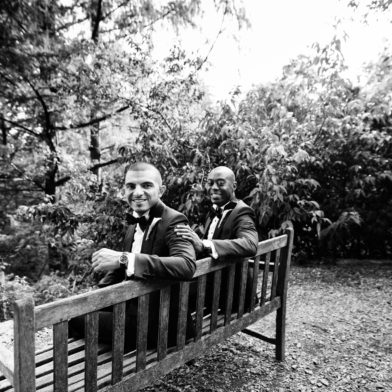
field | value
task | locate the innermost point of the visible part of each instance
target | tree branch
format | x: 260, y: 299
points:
x: 103, y: 164
x: 47, y: 127
x: 94, y: 120
x: 15, y: 124
x: 213, y: 44
x: 95, y: 22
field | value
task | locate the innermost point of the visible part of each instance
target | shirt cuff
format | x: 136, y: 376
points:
x: 210, y: 245
x: 131, y: 264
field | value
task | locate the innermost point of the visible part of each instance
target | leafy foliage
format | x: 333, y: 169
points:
x: 309, y: 150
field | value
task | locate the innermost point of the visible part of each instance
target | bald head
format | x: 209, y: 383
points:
x: 225, y: 172
x: 221, y: 185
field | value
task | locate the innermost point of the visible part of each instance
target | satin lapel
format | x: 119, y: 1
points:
x: 227, y: 219
x: 149, y: 235
x: 128, y: 240
x: 207, y: 226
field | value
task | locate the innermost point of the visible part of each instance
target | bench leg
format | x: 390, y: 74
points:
x: 280, y: 333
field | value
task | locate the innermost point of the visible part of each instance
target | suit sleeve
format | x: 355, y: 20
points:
x: 244, y: 239
x: 179, y: 264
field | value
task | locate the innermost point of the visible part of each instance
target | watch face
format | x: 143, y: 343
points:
x: 124, y: 259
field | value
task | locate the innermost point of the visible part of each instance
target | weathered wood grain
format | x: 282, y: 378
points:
x: 118, y: 341
x: 60, y: 356
x: 163, y: 327
x: 24, y: 346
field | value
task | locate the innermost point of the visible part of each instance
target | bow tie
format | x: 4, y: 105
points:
x: 218, y: 212
x: 142, y: 221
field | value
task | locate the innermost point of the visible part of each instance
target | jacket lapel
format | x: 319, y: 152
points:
x: 207, y: 226
x: 128, y: 240
x: 151, y: 230
x: 226, y: 219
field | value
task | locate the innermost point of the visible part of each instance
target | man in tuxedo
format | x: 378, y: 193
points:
x: 230, y: 229
x: 151, y: 250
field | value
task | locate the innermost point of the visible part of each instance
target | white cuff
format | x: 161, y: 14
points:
x: 131, y: 264
x: 209, y: 244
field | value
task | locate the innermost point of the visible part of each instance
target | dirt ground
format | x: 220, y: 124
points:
x: 339, y: 338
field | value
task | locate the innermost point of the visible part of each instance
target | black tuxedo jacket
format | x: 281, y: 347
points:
x: 164, y: 254
x: 236, y: 234
x: 235, y: 237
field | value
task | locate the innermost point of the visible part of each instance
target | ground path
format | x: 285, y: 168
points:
x: 339, y: 338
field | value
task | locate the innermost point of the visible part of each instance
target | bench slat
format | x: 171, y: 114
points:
x: 215, y: 299
x: 163, y: 322
x: 6, y: 363
x: 275, y: 274
x: 76, y: 368
x: 242, y: 291
x: 200, y: 299
x: 60, y: 354
x: 141, y: 331
x: 265, y: 279
x: 230, y: 292
x: 182, y: 314
x: 118, y: 341
x: 91, y: 329
x: 44, y: 373
x: 255, y: 272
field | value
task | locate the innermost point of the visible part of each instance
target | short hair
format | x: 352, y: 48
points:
x: 141, y: 166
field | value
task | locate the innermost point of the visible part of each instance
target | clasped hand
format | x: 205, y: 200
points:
x: 105, y: 260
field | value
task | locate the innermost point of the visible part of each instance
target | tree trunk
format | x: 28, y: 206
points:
x: 95, y: 150
x: 3, y: 132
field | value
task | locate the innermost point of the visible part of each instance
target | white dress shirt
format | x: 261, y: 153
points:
x: 216, y: 222
x: 136, y: 245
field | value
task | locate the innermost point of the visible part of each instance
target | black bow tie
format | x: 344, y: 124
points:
x: 218, y: 212
x: 142, y: 221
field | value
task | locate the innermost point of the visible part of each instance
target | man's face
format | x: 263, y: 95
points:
x: 221, y: 186
x: 143, y: 189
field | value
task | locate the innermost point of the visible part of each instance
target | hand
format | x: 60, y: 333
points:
x: 186, y: 232
x: 105, y: 260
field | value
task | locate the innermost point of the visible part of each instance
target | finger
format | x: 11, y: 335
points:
x: 187, y: 237
x: 181, y: 231
x: 96, y: 254
x: 181, y: 226
x: 95, y: 258
x: 95, y: 263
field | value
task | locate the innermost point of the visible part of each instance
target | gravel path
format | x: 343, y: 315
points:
x: 339, y: 338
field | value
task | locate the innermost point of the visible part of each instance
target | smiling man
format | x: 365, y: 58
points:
x: 229, y: 231
x: 230, y: 226
x: 151, y: 247
x: 151, y: 250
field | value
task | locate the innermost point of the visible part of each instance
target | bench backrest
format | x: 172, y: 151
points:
x: 137, y: 369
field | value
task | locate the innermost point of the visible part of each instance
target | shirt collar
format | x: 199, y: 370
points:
x: 146, y: 214
x: 224, y: 206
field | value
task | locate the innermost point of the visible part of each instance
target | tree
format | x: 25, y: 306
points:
x: 56, y: 79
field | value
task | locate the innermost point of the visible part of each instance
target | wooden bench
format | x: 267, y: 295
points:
x: 86, y: 365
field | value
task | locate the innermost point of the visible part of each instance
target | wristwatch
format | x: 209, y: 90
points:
x: 123, y: 260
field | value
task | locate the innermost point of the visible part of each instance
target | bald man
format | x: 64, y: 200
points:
x: 229, y: 230
x: 230, y: 226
